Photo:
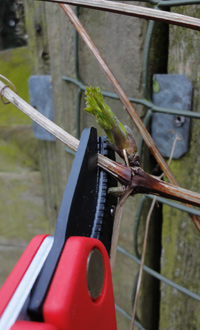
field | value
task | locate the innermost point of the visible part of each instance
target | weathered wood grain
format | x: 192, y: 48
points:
x: 180, y: 242
x: 38, y: 47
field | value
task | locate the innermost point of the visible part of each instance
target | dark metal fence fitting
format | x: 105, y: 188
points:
x: 171, y: 91
x: 40, y: 90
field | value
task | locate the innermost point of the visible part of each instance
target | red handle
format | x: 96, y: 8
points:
x: 13, y: 280
x: 26, y: 325
x: 69, y: 305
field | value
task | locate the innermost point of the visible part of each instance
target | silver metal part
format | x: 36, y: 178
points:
x: 19, y: 298
x: 95, y: 273
x: 112, y: 211
x: 179, y: 121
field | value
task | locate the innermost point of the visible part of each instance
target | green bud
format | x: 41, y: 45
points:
x: 120, y: 136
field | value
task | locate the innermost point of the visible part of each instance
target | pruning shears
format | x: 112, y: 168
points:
x: 64, y: 282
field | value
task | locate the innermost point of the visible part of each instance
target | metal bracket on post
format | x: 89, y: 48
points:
x: 40, y: 90
x: 171, y: 91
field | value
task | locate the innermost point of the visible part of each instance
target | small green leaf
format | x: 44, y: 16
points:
x: 120, y: 136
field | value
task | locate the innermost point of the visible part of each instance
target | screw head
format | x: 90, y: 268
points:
x: 179, y: 121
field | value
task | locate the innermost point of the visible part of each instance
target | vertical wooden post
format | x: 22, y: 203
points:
x: 180, y: 240
x: 36, y: 25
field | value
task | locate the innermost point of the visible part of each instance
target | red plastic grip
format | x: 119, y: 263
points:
x: 13, y: 280
x: 68, y: 305
x: 26, y: 325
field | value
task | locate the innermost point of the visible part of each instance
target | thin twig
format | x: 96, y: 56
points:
x: 142, y: 262
x: 119, y: 171
x: 137, y: 11
x: 177, y: 138
x: 145, y: 241
x: 116, y: 227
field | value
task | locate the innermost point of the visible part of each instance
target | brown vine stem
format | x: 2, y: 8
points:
x: 134, y: 178
x: 124, y: 99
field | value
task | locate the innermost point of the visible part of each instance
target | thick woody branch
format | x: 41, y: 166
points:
x: 135, y: 178
x: 144, y: 183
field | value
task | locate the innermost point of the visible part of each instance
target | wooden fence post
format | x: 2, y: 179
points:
x: 36, y: 25
x: 180, y: 240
